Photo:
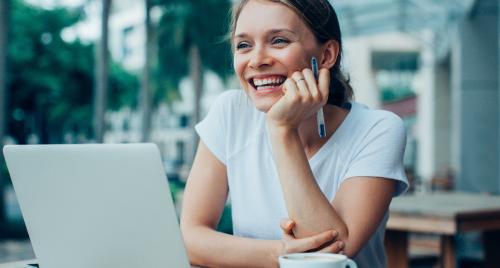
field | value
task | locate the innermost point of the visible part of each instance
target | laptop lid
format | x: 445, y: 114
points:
x: 96, y: 205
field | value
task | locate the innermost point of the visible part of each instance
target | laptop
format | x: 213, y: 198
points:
x: 97, y: 205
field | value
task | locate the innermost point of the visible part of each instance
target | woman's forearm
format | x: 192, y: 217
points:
x: 209, y: 248
x: 306, y: 204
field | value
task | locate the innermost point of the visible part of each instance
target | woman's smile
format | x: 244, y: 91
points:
x: 265, y: 84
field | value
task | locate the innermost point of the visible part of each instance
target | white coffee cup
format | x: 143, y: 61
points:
x: 315, y: 260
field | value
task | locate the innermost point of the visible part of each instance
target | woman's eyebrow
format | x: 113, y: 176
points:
x: 241, y: 35
x: 272, y: 31
x: 275, y: 31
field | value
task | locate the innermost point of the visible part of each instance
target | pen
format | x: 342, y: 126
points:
x: 320, y: 117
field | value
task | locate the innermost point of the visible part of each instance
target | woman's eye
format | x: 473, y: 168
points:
x: 280, y: 41
x: 242, y: 45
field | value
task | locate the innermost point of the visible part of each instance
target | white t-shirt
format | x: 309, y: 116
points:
x: 368, y: 143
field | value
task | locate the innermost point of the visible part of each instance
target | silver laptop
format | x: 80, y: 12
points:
x: 97, y: 206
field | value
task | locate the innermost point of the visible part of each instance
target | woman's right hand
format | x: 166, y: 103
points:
x: 322, y: 242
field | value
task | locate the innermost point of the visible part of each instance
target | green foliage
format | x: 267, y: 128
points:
x: 176, y: 187
x: 203, y: 23
x: 123, y: 88
x: 51, y: 81
x: 4, y: 172
x: 391, y: 94
x: 226, y: 222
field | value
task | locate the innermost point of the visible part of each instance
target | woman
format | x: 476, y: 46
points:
x: 261, y: 146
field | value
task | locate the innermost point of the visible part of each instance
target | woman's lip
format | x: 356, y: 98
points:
x: 261, y: 92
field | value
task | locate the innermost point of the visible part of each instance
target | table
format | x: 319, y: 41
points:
x: 445, y: 214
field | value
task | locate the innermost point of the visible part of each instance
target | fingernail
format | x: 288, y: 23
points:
x: 341, y: 244
x: 334, y: 233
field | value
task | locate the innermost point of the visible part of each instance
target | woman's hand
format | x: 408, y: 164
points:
x: 302, y: 98
x: 323, y: 242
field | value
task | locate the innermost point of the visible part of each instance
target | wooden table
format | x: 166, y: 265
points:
x: 445, y: 214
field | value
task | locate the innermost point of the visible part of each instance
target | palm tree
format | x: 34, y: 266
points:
x: 102, y: 69
x: 4, y: 21
x: 191, y: 40
x: 146, y: 94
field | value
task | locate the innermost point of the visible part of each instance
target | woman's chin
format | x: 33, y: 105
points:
x: 263, y: 108
x: 264, y: 104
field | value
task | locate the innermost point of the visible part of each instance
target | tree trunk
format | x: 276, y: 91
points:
x: 102, y: 69
x: 196, y: 74
x: 4, y: 22
x: 146, y: 95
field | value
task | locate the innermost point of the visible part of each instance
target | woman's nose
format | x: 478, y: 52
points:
x: 260, y: 58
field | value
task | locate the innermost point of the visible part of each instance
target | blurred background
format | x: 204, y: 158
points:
x: 118, y: 71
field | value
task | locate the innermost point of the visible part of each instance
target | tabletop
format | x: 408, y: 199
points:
x: 445, y: 212
x: 446, y: 204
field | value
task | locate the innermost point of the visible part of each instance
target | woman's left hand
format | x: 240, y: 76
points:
x: 302, y: 98
x: 337, y: 246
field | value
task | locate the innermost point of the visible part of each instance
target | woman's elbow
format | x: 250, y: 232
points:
x: 351, y: 248
x: 190, y: 243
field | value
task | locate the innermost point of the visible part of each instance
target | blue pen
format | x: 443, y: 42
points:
x: 320, y: 117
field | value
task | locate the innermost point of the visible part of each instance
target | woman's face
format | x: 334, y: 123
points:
x: 271, y: 42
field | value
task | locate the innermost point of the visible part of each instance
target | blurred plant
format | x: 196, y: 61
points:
x: 50, y: 80
x: 4, y: 20
x: 392, y: 94
x: 176, y: 187
x: 101, y: 73
x: 191, y: 39
x: 226, y: 223
x: 146, y: 92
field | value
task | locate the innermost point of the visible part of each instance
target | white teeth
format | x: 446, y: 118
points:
x: 268, y: 81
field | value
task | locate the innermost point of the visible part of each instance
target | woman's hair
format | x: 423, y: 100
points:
x: 321, y: 18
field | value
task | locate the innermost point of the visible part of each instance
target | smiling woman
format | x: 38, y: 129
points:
x: 291, y: 190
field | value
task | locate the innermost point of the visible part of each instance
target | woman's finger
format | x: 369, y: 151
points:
x: 287, y: 225
x: 288, y: 237
x: 312, y: 85
x: 313, y: 242
x: 335, y: 247
x: 291, y: 90
x: 301, y: 83
x: 324, y: 84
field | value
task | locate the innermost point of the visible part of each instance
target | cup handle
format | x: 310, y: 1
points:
x: 351, y: 264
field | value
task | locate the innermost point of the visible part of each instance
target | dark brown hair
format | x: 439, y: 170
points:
x: 321, y: 18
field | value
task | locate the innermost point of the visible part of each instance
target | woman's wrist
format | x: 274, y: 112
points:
x: 277, y: 250
x: 280, y: 129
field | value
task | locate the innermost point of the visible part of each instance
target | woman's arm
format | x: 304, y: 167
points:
x: 360, y: 203
x: 356, y: 211
x: 203, y: 202
x: 204, y: 198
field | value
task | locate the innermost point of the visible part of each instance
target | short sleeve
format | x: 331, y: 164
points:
x: 213, y: 128
x: 380, y: 153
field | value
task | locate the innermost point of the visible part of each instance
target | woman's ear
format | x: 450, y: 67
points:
x: 330, y: 53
